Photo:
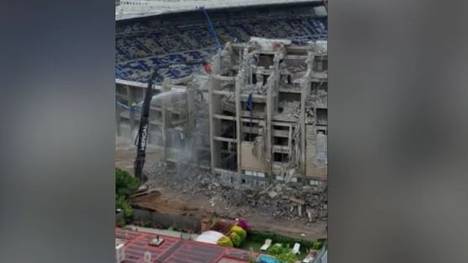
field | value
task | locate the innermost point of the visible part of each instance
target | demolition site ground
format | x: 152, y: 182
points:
x: 198, y: 193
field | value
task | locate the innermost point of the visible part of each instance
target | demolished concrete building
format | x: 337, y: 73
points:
x: 178, y: 120
x: 260, y: 114
x: 268, y: 111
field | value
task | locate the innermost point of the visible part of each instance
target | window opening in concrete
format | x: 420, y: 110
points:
x: 228, y: 129
x: 280, y: 141
x: 281, y: 157
x: 322, y: 116
x: 281, y: 127
x: 265, y: 60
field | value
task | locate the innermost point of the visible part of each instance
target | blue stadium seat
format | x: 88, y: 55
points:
x: 180, y: 46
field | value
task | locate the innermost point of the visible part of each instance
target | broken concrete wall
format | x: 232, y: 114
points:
x: 250, y: 161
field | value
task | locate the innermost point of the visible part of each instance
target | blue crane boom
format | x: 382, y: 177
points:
x: 211, y: 28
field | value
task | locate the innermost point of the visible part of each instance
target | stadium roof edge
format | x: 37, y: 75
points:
x: 135, y: 16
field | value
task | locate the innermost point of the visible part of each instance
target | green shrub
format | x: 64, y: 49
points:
x: 283, y: 253
x: 236, y: 239
x: 257, y: 236
x: 275, y: 249
x: 318, y: 244
x: 287, y: 257
x: 123, y: 204
x: 239, y: 231
x: 225, y: 242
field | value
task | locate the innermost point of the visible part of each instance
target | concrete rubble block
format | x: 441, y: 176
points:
x: 296, y: 200
x: 272, y: 194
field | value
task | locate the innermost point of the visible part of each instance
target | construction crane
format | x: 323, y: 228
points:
x: 211, y: 28
x: 142, y: 136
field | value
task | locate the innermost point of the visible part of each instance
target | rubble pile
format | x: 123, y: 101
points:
x: 257, y: 88
x: 317, y: 99
x: 296, y: 68
x: 293, y: 201
x: 290, y: 109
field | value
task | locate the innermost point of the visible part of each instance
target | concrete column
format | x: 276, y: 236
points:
x: 240, y: 81
x: 214, y: 154
x: 305, y: 85
x: 212, y: 85
x: 305, y: 91
x: 190, y: 123
x: 268, y: 131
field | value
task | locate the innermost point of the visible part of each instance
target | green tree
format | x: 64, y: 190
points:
x: 125, y: 185
x: 123, y: 204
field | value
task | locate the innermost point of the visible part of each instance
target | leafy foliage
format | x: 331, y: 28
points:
x: 123, y: 204
x: 225, y: 242
x: 318, y: 244
x: 236, y: 239
x: 283, y: 253
x: 240, y: 232
x: 257, y: 236
x: 125, y: 185
x: 275, y: 249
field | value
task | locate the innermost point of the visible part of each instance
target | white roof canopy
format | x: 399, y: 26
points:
x: 210, y: 237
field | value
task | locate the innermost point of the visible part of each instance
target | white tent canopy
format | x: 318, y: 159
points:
x: 210, y: 237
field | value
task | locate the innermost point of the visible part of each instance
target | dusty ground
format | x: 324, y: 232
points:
x: 165, y: 204
x: 263, y: 222
x: 185, y: 203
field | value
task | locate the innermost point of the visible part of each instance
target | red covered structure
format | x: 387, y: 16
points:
x: 175, y: 250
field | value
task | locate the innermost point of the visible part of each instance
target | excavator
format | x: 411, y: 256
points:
x: 141, y: 139
x: 142, y: 136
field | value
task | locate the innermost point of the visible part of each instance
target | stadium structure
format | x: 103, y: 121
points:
x: 126, y: 9
x: 245, y: 84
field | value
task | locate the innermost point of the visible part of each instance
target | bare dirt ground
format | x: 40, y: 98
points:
x: 165, y: 204
x: 166, y: 200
